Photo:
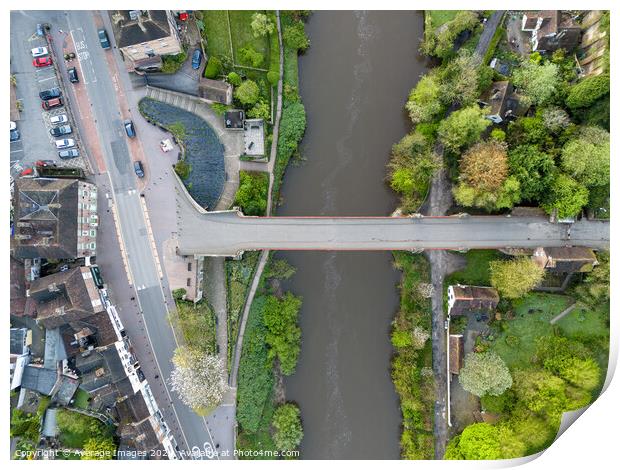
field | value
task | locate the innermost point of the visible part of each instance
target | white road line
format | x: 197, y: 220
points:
x: 17, y: 151
x: 45, y: 79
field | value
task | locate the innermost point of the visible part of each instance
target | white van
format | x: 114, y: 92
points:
x: 60, y: 119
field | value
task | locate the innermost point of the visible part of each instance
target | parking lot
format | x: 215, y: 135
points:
x: 36, y: 142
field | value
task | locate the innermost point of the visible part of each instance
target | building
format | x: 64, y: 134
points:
x: 551, y: 30
x: 502, y: 101
x: 565, y: 260
x: 65, y: 297
x: 456, y: 353
x: 471, y: 299
x: 500, y: 66
x: 215, y: 91
x: 52, y: 383
x: 21, y: 339
x: 55, y: 218
x: 233, y: 119
x: 145, y: 34
x: 254, y: 137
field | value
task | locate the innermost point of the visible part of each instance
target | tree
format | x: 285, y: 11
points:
x: 273, y: 77
x: 295, y: 37
x: 498, y: 403
x: 442, y: 44
x: 588, y: 91
x: 515, y: 278
x: 586, y: 158
x: 248, y: 92
x: 252, y: 193
x: 555, y: 119
x: 213, y: 68
x: 99, y: 449
x: 260, y: 110
x: 540, y: 391
x: 234, y: 79
x: 283, y: 334
x: 485, y: 374
x: 565, y: 195
x: 533, y: 169
x: 424, y: 103
x: 250, y: 56
x: 261, y: 25
x: 280, y: 269
x: 462, y: 79
x: 594, y: 290
x: 462, y: 128
x: 538, y: 82
x: 478, y: 441
x: 288, y: 429
x: 198, y: 379
x: 292, y: 127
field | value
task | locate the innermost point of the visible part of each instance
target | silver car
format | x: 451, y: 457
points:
x: 65, y: 143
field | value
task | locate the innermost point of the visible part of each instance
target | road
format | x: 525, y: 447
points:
x: 100, y: 79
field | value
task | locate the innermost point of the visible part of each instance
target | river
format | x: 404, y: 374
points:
x: 354, y: 81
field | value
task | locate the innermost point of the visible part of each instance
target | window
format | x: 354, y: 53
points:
x: 93, y: 246
x: 189, y: 282
x: 93, y: 233
x: 189, y: 266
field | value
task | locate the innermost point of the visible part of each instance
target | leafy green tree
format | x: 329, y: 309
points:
x: 462, y: 79
x: 565, y: 195
x: 283, y: 334
x: 594, y: 290
x: 250, y: 56
x: 537, y: 82
x: 261, y: 25
x: 248, y: 92
x: 288, y: 429
x: 540, y: 391
x: 442, y: 41
x: 462, y: 128
x: 234, y: 79
x: 213, y: 68
x: 555, y: 119
x: 99, y: 449
x: 252, y: 193
x: 292, y: 127
x: 424, y: 103
x: 498, y: 403
x: 260, y: 110
x: 588, y: 91
x: 515, y: 278
x: 533, y: 169
x: 587, y: 157
x: 295, y: 37
x: 485, y: 374
x: 478, y: 441
x: 273, y: 77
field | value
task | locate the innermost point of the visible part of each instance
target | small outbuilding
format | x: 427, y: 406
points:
x: 471, y: 299
x: 456, y: 353
x: 233, y: 119
x: 215, y: 91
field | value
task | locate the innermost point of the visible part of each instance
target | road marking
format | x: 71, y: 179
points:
x: 45, y: 79
x: 16, y: 151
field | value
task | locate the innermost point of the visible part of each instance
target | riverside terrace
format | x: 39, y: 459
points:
x: 229, y: 233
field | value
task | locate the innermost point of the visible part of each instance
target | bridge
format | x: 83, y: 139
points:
x: 229, y: 233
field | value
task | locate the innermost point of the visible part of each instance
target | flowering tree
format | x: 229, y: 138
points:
x: 198, y: 379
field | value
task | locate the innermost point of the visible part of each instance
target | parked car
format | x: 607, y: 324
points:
x: 61, y: 130
x: 45, y: 163
x: 49, y: 94
x: 42, y: 61
x: 103, y: 38
x: 65, y: 143
x: 60, y: 119
x: 137, y: 167
x: 73, y: 75
x: 39, y: 52
x: 129, y: 129
x: 72, y: 153
x: 13, y: 126
x: 53, y: 103
x: 196, y: 59
x: 14, y: 135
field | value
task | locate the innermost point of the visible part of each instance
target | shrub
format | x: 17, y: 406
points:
x: 234, y: 79
x: 261, y: 25
x: 273, y: 77
x: 183, y: 169
x: 260, y: 110
x: 587, y: 91
x: 248, y: 92
x: 179, y: 294
x: 498, y: 135
x: 283, y: 334
x: 295, y: 37
x: 251, y: 57
x: 515, y: 278
x: 462, y: 128
x: 213, y: 68
x: 252, y: 193
x: 288, y: 429
x: 172, y: 63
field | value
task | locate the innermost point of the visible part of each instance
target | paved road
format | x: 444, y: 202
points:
x: 488, y: 32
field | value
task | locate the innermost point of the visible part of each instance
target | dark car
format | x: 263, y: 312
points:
x: 129, y: 129
x: 71, y: 153
x: 61, y: 130
x: 103, y: 38
x: 73, y: 75
x: 51, y: 93
x: 53, y: 103
x: 14, y: 135
x: 137, y: 167
x: 196, y: 59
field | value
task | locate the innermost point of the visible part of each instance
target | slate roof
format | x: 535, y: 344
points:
x: 140, y: 436
x: 133, y: 409
x: 151, y: 25
x: 214, y: 90
x: 100, y: 368
x: 39, y: 379
x: 46, y: 218
x: 65, y: 296
x: 18, y: 339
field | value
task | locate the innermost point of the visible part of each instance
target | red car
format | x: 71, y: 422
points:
x: 42, y: 61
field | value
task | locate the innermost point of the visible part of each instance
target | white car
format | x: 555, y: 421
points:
x: 65, y: 143
x: 39, y: 52
x: 60, y: 119
x: 13, y: 126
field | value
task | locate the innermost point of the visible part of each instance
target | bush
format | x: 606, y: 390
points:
x: 179, y: 294
x: 172, y: 63
x: 250, y: 56
x: 260, y: 110
x: 498, y: 135
x: 283, y: 334
x: 247, y: 93
x: 587, y: 91
x: 462, y: 128
x: 287, y: 424
x: 234, y: 79
x: 252, y: 193
x: 295, y: 37
x: 182, y: 169
x: 273, y: 77
x: 213, y: 68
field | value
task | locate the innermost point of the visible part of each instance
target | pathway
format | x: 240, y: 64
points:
x: 562, y: 314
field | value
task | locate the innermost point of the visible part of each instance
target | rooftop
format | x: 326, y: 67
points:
x: 233, y: 119
x: 132, y: 27
x: 474, y: 293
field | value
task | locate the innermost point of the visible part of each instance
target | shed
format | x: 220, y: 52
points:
x: 456, y: 353
x: 215, y: 91
x: 233, y: 119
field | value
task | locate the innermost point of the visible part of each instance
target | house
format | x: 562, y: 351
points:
x: 50, y: 382
x: 254, y: 137
x: 185, y: 273
x: 65, y: 297
x: 502, y: 101
x: 215, y: 91
x: 456, y: 353
x: 144, y: 34
x: 55, y: 218
x: 566, y: 259
x: 471, y: 299
x: 551, y: 30
x: 233, y: 119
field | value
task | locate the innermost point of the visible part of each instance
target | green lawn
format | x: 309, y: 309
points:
x: 477, y: 270
x: 439, y: 17
x: 583, y: 322
x: 242, y: 35
x: 81, y: 399
x: 216, y: 32
x: 197, y: 323
x: 75, y: 428
x: 516, y: 343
